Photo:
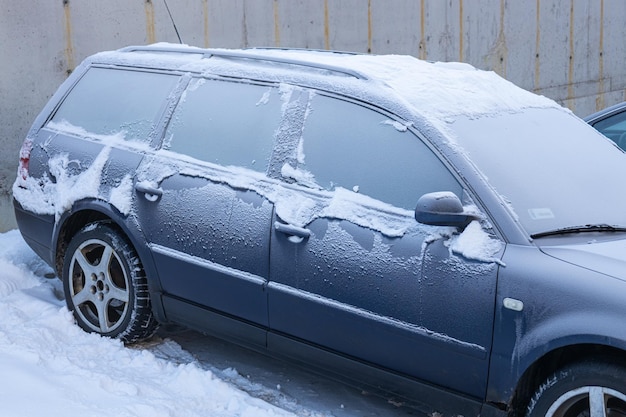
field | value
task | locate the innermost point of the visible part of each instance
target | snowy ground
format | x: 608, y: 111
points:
x: 50, y: 367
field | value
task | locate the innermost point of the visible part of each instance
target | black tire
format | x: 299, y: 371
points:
x: 570, y: 391
x: 105, y: 285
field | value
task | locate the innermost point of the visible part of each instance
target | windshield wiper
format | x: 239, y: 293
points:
x: 580, y: 229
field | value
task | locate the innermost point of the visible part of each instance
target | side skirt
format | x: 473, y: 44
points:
x: 423, y: 397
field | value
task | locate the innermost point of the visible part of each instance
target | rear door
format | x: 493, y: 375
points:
x: 206, y: 226
x: 360, y: 276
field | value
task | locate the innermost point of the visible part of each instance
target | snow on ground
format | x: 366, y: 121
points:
x: 50, y: 367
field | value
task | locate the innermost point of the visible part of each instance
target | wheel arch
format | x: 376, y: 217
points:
x: 547, y: 364
x: 526, y: 353
x: 88, y: 211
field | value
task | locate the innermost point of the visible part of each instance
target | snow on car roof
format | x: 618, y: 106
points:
x: 435, y: 91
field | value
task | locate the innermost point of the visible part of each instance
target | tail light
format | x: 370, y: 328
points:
x: 22, y: 169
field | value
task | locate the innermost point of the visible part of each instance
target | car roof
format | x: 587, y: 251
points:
x: 419, y: 91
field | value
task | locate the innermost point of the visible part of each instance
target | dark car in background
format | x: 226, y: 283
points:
x: 426, y: 229
x: 611, y: 122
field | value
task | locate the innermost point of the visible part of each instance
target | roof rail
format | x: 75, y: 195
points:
x: 282, y: 48
x: 244, y: 54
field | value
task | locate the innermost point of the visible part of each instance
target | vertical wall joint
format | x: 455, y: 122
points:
x: 326, y: 26
x: 276, y: 24
x: 69, y: 46
x: 150, y: 24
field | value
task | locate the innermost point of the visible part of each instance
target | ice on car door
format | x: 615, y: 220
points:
x: 360, y: 279
x: 207, y: 231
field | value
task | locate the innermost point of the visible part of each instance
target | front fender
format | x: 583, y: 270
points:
x: 564, y: 306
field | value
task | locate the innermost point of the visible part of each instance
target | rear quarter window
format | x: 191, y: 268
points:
x: 107, y: 102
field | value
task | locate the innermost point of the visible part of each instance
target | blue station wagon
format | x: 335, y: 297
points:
x: 426, y: 229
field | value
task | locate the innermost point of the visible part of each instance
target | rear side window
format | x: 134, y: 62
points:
x: 115, y: 102
x: 227, y: 123
x: 354, y: 147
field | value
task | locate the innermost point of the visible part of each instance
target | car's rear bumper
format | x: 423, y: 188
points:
x: 37, y: 231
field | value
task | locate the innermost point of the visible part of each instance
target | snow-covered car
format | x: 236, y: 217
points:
x: 428, y: 229
x: 611, y: 122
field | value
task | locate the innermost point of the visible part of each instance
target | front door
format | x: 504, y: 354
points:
x: 361, y: 277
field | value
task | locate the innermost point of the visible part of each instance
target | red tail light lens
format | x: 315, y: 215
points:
x: 22, y: 170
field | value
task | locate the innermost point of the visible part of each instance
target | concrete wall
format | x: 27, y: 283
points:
x: 573, y: 51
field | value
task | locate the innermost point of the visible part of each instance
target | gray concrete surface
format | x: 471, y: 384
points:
x: 572, y: 51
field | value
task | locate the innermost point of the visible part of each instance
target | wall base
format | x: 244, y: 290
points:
x: 7, y: 216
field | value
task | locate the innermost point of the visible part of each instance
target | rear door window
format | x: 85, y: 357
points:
x: 113, y: 102
x: 347, y: 145
x: 226, y: 123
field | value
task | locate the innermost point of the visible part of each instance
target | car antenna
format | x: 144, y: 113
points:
x: 173, y: 23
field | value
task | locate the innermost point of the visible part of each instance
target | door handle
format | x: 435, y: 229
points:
x: 296, y: 234
x: 151, y: 193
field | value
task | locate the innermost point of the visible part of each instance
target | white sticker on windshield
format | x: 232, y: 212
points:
x: 541, y: 213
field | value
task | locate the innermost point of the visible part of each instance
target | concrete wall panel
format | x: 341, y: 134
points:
x: 519, y: 41
x: 302, y: 24
x: 553, y: 48
x: 225, y: 24
x: 258, y: 24
x: 395, y: 27
x: 613, y: 45
x: 100, y: 26
x: 482, y: 46
x: 442, y: 30
x: 190, y: 18
x: 570, y: 50
x: 348, y: 25
x: 583, y: 63
x: 33, y: 64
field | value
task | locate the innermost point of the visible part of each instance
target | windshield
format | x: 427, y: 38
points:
x: 554, y: 170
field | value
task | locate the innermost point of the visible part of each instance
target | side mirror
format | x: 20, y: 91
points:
x: 442, y: 209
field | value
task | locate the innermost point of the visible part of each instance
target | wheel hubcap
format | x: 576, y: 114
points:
x: 589, y: 401
x: 99, y: 286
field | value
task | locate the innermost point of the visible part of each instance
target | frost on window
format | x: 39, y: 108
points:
x: 293, y: 114
x: 345, y: 144
x: 265, y: 98
x: 299, y: 176
x: 400, y: 127
x: 226, y: 123
x: 128, y: 106
x: 119, y: 139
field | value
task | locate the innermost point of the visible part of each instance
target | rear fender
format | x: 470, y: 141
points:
x: 89, y: 210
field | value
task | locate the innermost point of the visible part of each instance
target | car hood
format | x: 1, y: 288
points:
x: 606, y: 257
